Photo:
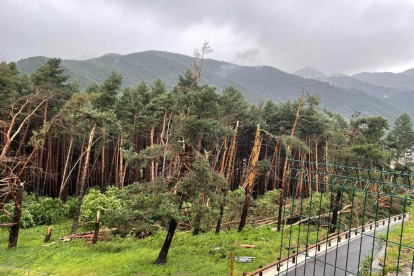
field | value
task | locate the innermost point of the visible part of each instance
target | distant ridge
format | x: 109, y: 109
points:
x: 400, y: 81
x: 309, y: 73
x: 256, y: 83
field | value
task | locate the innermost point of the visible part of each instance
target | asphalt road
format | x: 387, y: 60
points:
x: 320, y: 266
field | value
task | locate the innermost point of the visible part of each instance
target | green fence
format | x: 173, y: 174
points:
x: 342, y: 220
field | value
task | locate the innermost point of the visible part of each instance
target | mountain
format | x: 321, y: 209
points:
x: 404, y: 100
x: 309, y: 73
x: 338, y: 75
x: 371, y: 89
x: 256, y: 83
x: 399, y: 81
x: 347, y: 82
x: 409, y: 72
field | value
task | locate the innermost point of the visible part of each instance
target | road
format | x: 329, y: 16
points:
x: 347, y: 255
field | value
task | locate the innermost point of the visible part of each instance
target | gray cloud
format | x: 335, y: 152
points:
x: 334, y: 36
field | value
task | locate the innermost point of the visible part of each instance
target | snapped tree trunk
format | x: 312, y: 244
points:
x: 48, y: 234
x: 14, y: 229
x: 251, y: 177
x: 63, y: 187
x: 95, y: 235
x: 228, y: 177
x: 83, y: 181
x: 285, y: 167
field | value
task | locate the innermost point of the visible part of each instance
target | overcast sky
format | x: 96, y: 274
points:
x: 347, y: 36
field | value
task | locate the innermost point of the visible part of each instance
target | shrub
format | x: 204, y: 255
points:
x: 95, y: 200
x: 70, y: 205
x: 46, y: 211
x: 26, y: 220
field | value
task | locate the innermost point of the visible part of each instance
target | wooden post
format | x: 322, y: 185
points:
x: 278, y: 266
x: 231, y: 263
x: 95, y: 235
x: 260, y: 273
x: 48, y: 234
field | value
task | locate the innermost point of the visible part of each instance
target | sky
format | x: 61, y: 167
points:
x: 332, y: 36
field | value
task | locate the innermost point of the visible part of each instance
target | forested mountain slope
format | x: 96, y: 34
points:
x: 400, y: 81
x: 256, y: 83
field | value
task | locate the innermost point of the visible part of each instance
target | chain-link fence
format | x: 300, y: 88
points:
x: 342, y: 220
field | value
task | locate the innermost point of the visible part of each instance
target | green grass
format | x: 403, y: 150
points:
x: 403, y: 256
x: 188, y: 255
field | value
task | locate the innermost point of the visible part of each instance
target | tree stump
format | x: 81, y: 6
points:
x: 95, y: 235
x: 48, y: 234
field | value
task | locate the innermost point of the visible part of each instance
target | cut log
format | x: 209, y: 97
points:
x: 247, y: 245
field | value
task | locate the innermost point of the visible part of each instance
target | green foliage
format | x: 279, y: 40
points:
x: 94, y: 200
x: 45, y: 211
x: 8, y: 83
x: 50, y: 73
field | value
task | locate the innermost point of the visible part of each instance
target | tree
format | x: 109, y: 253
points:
x: 50, y: 73
x: 109, y: 91
x: 8, y: 83
x: 403, y: 135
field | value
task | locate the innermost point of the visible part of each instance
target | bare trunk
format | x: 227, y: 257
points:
x: 83, y: 181
x: 96, y: 233
x: 228, y: 177
x: 282, y: 188
x: 62, y: 192
x: 14, y: 229
x: 162, y: 256
x: 251, y: 177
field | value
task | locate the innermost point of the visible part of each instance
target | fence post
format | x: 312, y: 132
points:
x: 278, y: 266
x: 231, y: 263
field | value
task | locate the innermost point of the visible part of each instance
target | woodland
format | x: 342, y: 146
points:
x: 145, y: 160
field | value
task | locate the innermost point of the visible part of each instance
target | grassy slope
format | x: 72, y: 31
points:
x: 188, y: 255
x: 394, y: 251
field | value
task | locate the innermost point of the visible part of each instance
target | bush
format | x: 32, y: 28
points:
x: 46, y: 211
x: 26, y: 220
x: 95, y: 200
x: 122, y: 219
x: 70, y: 205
